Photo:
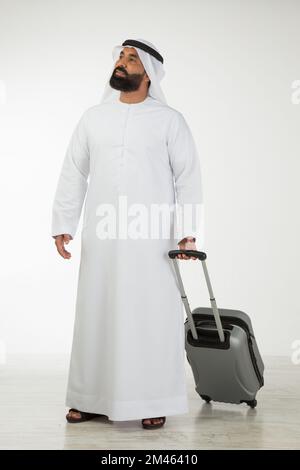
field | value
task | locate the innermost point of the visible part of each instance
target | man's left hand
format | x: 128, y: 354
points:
x: 187, y: 244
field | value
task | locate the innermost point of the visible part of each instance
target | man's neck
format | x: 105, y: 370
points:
x: 132, y: 97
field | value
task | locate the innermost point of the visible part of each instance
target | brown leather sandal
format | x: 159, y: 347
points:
x: 154, y: 426
x: 84, y: 416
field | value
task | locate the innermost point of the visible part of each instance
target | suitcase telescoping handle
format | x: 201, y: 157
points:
x: 202, y: 257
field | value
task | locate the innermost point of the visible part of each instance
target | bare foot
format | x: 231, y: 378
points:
x: 152, y: 420
x: 74, y: 414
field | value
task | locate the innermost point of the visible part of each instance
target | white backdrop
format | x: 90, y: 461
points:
x: 230, y: 69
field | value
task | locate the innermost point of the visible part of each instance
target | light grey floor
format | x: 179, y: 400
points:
x: 33, y: 414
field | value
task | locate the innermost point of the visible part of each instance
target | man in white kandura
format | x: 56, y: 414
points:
x: 128, y: 351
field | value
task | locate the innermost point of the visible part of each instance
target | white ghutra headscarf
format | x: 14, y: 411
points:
x: 152, y: 62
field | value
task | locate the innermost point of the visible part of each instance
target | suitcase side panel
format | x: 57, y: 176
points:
x: 238, y: 317
x: 224, y: 375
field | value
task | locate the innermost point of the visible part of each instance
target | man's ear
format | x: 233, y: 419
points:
x: 146, y: 76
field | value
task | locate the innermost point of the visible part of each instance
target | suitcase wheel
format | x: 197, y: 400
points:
x: 206, y: 398
x: 251, y: 403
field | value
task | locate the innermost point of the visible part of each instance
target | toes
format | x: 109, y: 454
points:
x: 152, y: 421
x: 74, y: 414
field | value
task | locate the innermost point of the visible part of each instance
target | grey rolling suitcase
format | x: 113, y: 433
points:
x: 220, y: 347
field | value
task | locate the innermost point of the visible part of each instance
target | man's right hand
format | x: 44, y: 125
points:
x: 60, y: 241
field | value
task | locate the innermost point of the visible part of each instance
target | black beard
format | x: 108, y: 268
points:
x: 126, y: 82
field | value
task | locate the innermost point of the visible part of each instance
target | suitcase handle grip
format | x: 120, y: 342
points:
x: 201, y: 256
x: 197, y: 254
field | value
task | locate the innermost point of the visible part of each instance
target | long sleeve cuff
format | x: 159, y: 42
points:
x: 189, y: 222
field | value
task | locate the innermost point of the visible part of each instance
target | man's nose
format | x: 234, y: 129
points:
x: 121, y: 63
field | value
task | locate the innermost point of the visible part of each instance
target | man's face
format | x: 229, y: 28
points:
x: 129, y: 71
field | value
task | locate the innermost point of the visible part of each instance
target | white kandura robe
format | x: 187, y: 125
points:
x: 128, y: 354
